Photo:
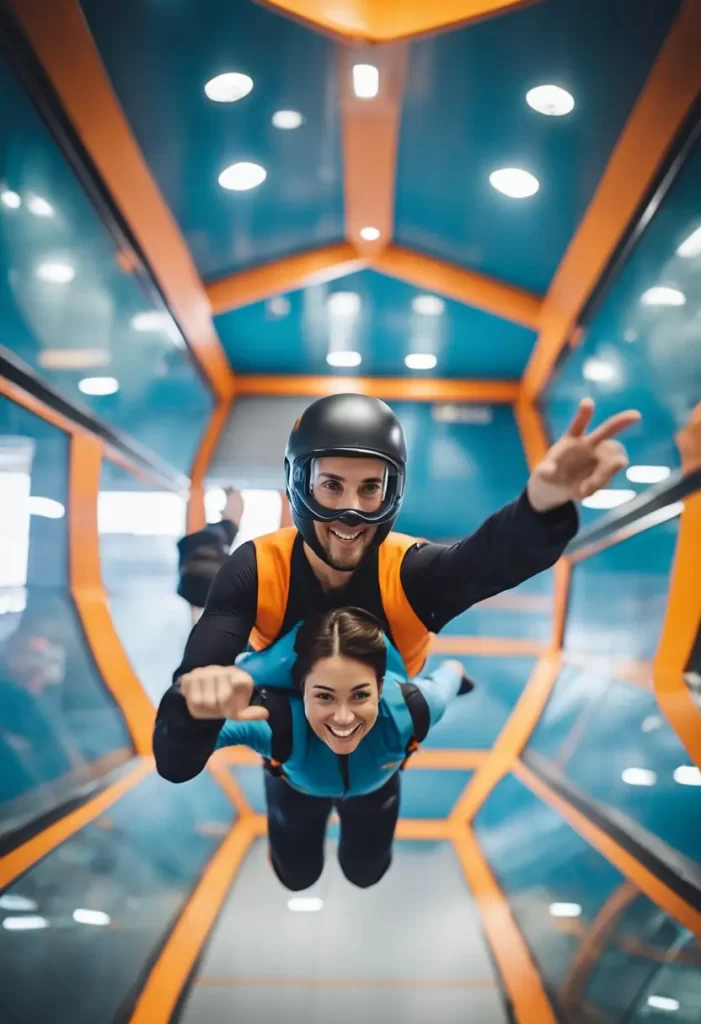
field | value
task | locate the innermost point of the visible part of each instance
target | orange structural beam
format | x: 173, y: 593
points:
x: 379, y: 21
x: 169, y: 975
x: 627, y: 864
x: 679, y: 632
x: 519, y: 974
x: 284, y: 275
x: 489, y: 646
x: 511, y: 740
x: 671, y: 89
x: 370, y: 138
x: 466, y: 286
x: 426, y: 389
x: 24, y: 857
x: 61, y: 39
x: 532, y: 429
x: 90, y: 596
x: 196, y: 517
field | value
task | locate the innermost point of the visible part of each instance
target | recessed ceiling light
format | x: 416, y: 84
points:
x: 287, y: 120
x: 242, y: 176
x: 663, y: 1003
x: 151, y: 320
x: 652, y: 723
x: 345, y: 359
x: 630, y: 335
x: 305, y: 903
x: 228, y: 88
x: 565, y: 910
x: 639, y: 777
x: 98, y: 385
x: 278, y: 306
x: 647, y: 474
x: 514, y: 182
x: 420, y: 361
x: 11, y: 199
x: 9, y: 901
x: 56, y: 273
x: 39, y: 207
x: 600, y: 370
x: 366, y: 81
x: 691, y: 246
x: 370, y: 234
x: 687, y: 775
x: 428, y: 305
x: 96, y: 917
x: 46, y: 507
x: 663, y: 296
x: 550, y: 100
x: 343, y: 304
x: 24, y: 924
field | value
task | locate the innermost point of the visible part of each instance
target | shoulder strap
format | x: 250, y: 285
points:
x: 273, y: 565
x: 277, y: 703
x: 418, y: 709
x: 409, y: 633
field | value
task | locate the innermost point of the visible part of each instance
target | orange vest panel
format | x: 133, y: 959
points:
x: 274, y: 559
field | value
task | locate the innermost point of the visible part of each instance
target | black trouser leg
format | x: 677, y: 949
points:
x: 296, y: 833
x: 367, y: 832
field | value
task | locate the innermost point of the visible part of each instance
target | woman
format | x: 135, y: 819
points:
x: 348, y: 725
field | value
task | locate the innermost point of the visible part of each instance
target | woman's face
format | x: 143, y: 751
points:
x: 341, y: 701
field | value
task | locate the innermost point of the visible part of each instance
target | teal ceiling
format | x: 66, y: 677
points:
x: 293, y: 333
x: 159, y: 57
x: 465, y: 115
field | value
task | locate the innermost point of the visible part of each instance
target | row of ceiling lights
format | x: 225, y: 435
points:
x: 550, y: 100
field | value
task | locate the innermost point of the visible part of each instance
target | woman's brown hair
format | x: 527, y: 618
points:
x: 350, y: 632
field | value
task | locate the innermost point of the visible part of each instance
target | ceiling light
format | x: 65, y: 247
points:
x: 152, y: 320
x: 242, y: 176
x: 420, y: 361
x: 647, y: 474
x: 514, y: 182
x: 366, y: 81
x: 278, y: 306
x: 600, y: 370
x: 343, y: 304
x: 39, y: 207
x: 565, y: 910
x: 98, y: 385
x: 287, y: 120
x: 550, y: 100
x: 369, y: 234
x: 687, y: 775
x: 228, y: 88
x: 306, y: 904
x: 630, y: 335
x: 11, y: 199
x: 24, y: 924
x: 56, y: 273
x: 608, y: 498
x: 691, y: 246
x: 639, y: 777
x: 96, y: 917
x: 663, y: 296
x: 344, y: 359
x: 663, y: 1003
x: 46, y: 507
x: 652, y: 723
x: 428, y: 305
x: 8, y: 901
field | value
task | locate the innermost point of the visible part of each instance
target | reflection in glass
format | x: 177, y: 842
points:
x: 59, y: 727
x: 78, y: 310
x: 139, y: 526
x: 109, y: 896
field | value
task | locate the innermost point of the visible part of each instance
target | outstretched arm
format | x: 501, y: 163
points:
x: 442, y: 686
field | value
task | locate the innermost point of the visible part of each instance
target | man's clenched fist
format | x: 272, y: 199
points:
x: 220, y: 691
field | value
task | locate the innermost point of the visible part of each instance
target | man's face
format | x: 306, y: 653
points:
x: 341, y: 482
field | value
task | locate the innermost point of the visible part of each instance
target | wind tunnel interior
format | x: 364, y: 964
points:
x: 160, y: 335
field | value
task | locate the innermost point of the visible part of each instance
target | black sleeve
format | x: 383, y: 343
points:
x: 442, y: 581
x: 182, y: 745
x: 200, y: 556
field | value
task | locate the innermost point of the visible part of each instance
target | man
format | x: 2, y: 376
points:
x: 345, y: 469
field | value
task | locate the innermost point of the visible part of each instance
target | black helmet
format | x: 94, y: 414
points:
x: 346, y: 425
